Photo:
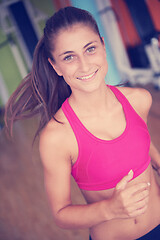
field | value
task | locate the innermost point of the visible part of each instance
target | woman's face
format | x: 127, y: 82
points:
x: 80, y: 57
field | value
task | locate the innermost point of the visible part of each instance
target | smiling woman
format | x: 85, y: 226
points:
x: 84, y: 60
x: 96, y: 132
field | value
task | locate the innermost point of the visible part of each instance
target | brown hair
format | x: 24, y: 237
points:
x: 42, y: 91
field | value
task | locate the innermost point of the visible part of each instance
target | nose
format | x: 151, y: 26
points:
x: 84, y: 64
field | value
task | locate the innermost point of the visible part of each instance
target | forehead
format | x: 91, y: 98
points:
x: 76, y: 35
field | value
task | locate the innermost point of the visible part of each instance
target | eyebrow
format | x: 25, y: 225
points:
x: 69, y: 52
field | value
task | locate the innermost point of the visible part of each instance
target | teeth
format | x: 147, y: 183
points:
x: 86, y: 77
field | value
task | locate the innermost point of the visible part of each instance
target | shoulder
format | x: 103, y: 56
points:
x: 136, y: 94
x: 53, y: 142
x: 54, y: 130
x: 139, y: 98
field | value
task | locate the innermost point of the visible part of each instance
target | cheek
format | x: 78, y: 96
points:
x: 103, y: 61
x: 71, y: 69
x: 101, y: 57
x: 68, y: 71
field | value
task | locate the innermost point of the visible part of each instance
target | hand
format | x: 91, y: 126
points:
x: 129, y: 201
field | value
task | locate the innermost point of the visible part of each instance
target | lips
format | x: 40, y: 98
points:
x: 87, y: 76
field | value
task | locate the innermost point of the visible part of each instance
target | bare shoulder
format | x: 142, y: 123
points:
x: 54, y: 130
x: 139, y: 98
x: 136, y: 94
x: 53, y: 143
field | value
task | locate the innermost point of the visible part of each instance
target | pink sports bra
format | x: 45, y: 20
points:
x: 101, y: 164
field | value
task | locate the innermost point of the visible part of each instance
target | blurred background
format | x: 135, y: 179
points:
x: 131, y: 29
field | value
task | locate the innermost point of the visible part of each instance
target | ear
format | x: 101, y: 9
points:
x: 55, y: 67
x: 103, y: 42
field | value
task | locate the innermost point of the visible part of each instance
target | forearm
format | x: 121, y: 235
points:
x: 125, y: 202
x: 83, y: 216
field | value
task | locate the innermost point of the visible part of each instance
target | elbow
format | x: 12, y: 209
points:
x: 61, y: 221
x: 60, y: 224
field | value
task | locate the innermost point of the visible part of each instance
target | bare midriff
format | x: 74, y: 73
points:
x: 132, y: 228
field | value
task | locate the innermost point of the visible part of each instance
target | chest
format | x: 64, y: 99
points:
x: 108, y: 126
x: 104, y: 162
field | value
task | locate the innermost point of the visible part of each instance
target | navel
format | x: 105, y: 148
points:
x: 135, y: 221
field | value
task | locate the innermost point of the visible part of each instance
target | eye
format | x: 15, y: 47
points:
x: 91, y: 49
x: 68, y: 58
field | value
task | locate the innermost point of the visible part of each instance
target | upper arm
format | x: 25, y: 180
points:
x: 57, y: 168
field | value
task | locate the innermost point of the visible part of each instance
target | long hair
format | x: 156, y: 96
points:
x: 42, y: 91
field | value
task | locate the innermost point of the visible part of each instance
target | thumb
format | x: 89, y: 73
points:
x: 123, y: 182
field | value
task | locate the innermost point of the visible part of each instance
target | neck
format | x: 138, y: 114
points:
x: 91, y: 103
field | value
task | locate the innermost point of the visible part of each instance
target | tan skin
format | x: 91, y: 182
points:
x: 132, y: 208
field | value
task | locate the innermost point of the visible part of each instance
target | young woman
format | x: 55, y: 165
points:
x: 94, y: 131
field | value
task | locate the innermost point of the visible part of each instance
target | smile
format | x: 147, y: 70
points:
x: 87, y: 77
